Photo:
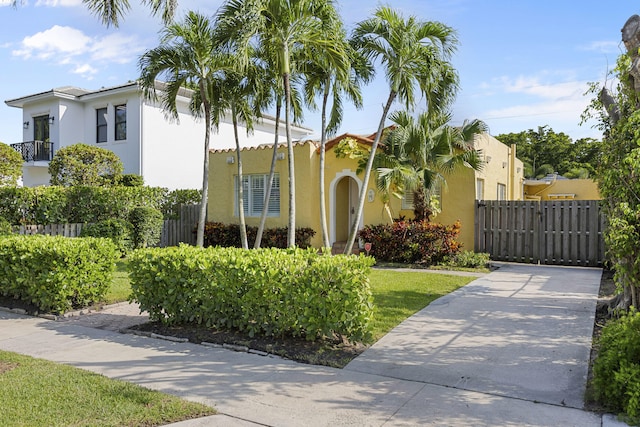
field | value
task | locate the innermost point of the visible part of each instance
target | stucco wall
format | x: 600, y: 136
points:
x: 457, y: 201
x: 571, y: 189
x: 257, y: 161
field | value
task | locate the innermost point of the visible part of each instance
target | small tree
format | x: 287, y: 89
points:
x: 87, y: 165
x: 10, y: 166
x: 146, y: 226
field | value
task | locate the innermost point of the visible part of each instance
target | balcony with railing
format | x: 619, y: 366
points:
x: 35, y: 151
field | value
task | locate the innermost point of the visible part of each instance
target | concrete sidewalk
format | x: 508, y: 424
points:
x: 511, y: 348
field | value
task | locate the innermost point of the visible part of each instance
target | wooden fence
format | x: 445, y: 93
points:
x: 181, y: 230
x: 547, y: 232
x: 67, y: 230
x: 173, y: 231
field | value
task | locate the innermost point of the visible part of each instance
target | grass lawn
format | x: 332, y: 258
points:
x: 35, y: 392
x: 398, y: 295
x: 120, y: 287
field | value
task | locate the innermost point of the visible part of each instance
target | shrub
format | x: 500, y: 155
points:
x: 467, y: 259
x: 10, y: 166
x: 118, y: 230
x: 5, y: 227
x: 175, y: 199
x: 228, y: 235
x: 15, y: 204
x: 147, y: 226
x: 82, y: 204
x: 271, y: 292
x: 56, y: 273
x: 412, y: 241
x: 131, y: 180
x: 616, y: 370
x: 83, y: 164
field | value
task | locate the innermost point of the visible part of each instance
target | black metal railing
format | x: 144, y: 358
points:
x: 35, y: 151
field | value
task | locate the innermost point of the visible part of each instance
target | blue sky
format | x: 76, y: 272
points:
x: 522, y: 64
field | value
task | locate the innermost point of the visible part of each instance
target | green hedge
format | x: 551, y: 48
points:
x: 59, y: 205
x: 412, y: 241
x: 271, y: 292
x: 146, y: 225
x: 228, y: 235
x: 118, y: 230
x: 56, y: 273
x: 616, y: 370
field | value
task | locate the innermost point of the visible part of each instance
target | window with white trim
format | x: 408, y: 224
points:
x: 479, y: 189
x: 101, y: 125
x: 120, y: 112
x: 502, y: 192
x: 253, y: 193
x: 407, y: 201
x: 407, y: 198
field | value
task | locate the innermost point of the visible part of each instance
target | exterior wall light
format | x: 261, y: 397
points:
x: 25, y: 125
x: 51, y: 120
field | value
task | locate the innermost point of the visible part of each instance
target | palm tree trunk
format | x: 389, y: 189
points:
x: 202, y: 217
x: 323, y: 140
x: 291, y: 235
x: 367, y: 174
x: 243, y: 225
x: 272, y: 172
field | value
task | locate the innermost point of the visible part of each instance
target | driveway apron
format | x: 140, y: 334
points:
x: 523, y: 331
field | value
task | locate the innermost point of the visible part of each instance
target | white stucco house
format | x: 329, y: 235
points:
x: 165, y: 153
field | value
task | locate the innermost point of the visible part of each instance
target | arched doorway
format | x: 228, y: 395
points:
x: 345, y: 190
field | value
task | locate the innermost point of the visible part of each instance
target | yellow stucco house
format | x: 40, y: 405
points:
x: 557, y: 187
x: 501, y: 179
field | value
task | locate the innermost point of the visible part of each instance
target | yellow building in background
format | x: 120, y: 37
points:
x: 557, y: 187
x: 500, y: 179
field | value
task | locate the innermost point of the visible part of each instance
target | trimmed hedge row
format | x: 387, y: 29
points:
x: 412, y: 241
x: 270, y: 292
x: 616, y: 370
x: 56, y: 273
x: 59, y: 205
x: 228, y: 235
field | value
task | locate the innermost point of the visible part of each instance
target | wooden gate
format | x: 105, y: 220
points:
x: 176, y: 231
x: 547, y: 232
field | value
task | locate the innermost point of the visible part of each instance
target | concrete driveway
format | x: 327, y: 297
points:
x: 509, y: 349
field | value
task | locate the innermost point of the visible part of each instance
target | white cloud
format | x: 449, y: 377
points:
x: 523, y: 102
x: 116, y: 48
x: 606, y: 46
x: 65, y: 45
x: 54, y: 3
x: 59, y: 42
x: 85, y: 70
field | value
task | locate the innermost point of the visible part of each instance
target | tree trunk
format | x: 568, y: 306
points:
x: 202, y: 217
x: 610, y: 106
x: 243, y: 225
x: 272, y: 172
x: 323, y: 140
x: 291, y: 235
x: 421, y: 204
x: 367, y: 174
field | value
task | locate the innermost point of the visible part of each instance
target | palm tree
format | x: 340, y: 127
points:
x: 271, y: 93
x: 111, y: 12
x: 188, y: 58
x: 236, y: 90
x: 324, y: 79
x: 287, y: 27
x: 419, y: 153
x: 413, y: 54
